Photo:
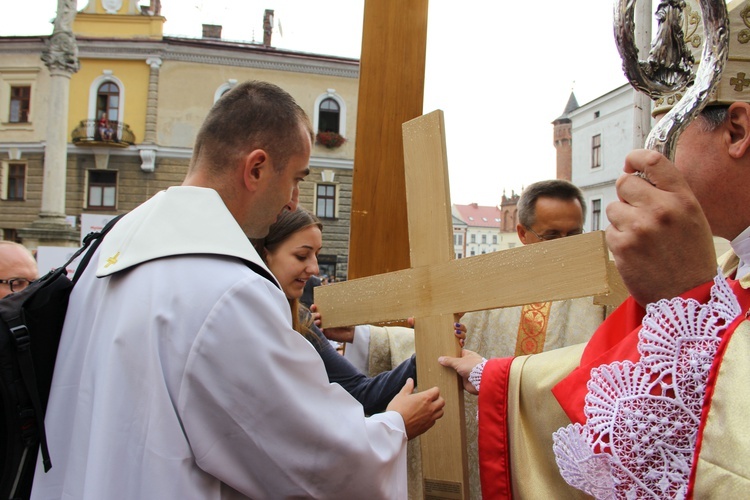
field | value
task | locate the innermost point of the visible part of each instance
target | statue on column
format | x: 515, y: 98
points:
x: 61, y: 52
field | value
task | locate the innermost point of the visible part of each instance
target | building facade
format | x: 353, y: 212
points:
x: 482, y: 231
x: 601, y: 137
x: 135, y: 106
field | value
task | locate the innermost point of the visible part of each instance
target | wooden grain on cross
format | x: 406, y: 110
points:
x: 436, y: 287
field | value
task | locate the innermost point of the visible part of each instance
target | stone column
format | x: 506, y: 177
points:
x: 148, y: 148
x: 61, y: 57
x: 153, y: 99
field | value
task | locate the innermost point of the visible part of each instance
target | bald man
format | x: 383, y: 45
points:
x: 17, y: 268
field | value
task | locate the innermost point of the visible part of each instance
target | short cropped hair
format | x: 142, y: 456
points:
x: 553, y: 188
x: 712, y: 117
x: 252, y: 115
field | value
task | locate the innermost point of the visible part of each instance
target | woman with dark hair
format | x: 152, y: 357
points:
x: 291, y: 253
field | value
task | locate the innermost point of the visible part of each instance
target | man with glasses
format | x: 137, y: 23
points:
x: 17, y: 268
x: 547, y: 210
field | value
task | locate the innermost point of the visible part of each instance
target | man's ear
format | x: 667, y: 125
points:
x: 739, y: 129
x: 521, y: 231
x: 256, y: 165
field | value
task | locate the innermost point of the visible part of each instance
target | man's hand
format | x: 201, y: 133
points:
x: 463, y: 366
x: 419, y: 410
x: 659, y: 235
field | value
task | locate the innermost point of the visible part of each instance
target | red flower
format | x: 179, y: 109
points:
x: 331, y: 140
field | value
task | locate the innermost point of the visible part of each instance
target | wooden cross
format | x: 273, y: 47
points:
x: 436, y: 287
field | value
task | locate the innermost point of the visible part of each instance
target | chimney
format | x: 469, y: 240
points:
x: 212, y: 31
x: 267, y: 27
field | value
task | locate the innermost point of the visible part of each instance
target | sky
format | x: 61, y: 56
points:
x: 500, y: 71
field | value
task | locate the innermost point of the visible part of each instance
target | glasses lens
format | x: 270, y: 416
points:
x: 18, y: 284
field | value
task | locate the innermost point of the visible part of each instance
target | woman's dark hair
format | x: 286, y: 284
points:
x: 288, y: 223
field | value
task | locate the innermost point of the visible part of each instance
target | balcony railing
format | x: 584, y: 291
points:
x: 94, y: 133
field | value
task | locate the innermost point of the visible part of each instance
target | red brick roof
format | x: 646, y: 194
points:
x: 478, y: 216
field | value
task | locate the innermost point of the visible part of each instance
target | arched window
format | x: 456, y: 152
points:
x: 108, y: 101
x: 329, y: 113
x: 224, y: 88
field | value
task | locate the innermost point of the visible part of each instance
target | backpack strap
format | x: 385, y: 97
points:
x: 96, y: 238
x: 20, y: 332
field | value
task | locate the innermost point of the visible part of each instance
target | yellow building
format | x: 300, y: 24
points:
x: 134, y: 108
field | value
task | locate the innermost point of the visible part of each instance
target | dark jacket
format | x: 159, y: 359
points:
x: 373, y: 392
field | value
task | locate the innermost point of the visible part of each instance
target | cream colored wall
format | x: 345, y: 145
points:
x: 134, y: 77
x: 182, y: 107
x: 23, y: 69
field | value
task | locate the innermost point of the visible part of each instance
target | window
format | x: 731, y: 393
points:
x: 458, y: 239
x: 20, y: 104
x: 473, y: 253
x: 108, y: 101
x: 16, y: 181
x: 596, y: 215
x: 473, y: 238
x: 596, y: 151
x: 459, y: 255
x: 329, y: 113
x: 224, y: 88
x: 325, y: 206
x: 484, y: 239
x: 102, y: 191
x: 494, y: 239
x: 326, y: 265
x: 11, y: 235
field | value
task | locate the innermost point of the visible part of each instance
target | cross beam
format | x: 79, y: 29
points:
x: 436, y: 287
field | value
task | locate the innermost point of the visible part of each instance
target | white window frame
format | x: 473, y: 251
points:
x: 330, y: 94
x: 223, y: 88
x: 600, y: 152
x: 17, y: 77
x: 86, y: 205
x: 5, y: 172
x: 337, y: 188
x: 107, y: 76
x: 592, y: 216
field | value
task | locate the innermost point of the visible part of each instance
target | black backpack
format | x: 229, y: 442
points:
x: 31, y: 322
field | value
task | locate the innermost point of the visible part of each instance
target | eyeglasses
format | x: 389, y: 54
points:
x: 16, y: 284
x: 555, y: 235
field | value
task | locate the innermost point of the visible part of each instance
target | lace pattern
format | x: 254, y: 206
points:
x: 642, y: 418
x: 475, y: 377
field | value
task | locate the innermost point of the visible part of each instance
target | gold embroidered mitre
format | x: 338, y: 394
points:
x: 735, y: 80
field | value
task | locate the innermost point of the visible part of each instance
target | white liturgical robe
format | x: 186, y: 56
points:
x: 179, y: 376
